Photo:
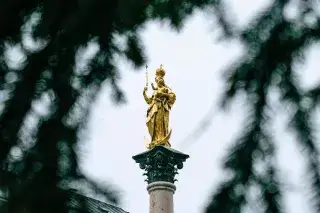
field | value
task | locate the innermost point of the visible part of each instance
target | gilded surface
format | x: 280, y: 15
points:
x: 160, y: 104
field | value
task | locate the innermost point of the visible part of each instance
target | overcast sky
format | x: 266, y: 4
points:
x: 193, y: 60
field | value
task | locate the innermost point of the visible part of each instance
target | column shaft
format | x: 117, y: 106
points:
x: 161, y: 197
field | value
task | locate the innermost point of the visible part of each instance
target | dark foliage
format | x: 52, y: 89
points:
x: 273, y: 45
x: 48, y: 164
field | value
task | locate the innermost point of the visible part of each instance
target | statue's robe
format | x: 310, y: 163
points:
x: 158, y: 117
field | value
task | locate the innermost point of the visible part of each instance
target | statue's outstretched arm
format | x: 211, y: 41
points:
x: 146, y: 98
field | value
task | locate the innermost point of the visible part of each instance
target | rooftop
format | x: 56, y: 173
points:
x: 93, y: 205
x: 78, y: 201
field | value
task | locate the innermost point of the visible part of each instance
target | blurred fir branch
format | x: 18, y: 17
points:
x: 48, y: 162
x: 273, y: 44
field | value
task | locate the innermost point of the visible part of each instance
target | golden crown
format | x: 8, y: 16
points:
x: 160, y: 72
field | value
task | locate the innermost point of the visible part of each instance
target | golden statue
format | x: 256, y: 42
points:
x: 160, y: 104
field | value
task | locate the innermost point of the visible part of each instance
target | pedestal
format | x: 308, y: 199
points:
x: 161, y: 164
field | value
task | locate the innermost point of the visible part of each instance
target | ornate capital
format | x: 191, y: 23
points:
x: 161, y: 163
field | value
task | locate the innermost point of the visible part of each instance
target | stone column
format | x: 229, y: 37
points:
x: 161, y: 164
x: 161, y: 197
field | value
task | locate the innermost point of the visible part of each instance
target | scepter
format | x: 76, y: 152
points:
x: 146, y: 144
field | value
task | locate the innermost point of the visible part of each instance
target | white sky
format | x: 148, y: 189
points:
x: 193, y: 60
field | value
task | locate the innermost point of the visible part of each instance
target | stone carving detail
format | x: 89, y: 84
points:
x: 161, y: 164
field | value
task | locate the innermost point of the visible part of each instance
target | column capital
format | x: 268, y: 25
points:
x: 161, y: 164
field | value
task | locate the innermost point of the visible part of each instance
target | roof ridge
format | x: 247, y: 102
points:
x: 98, y: 202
